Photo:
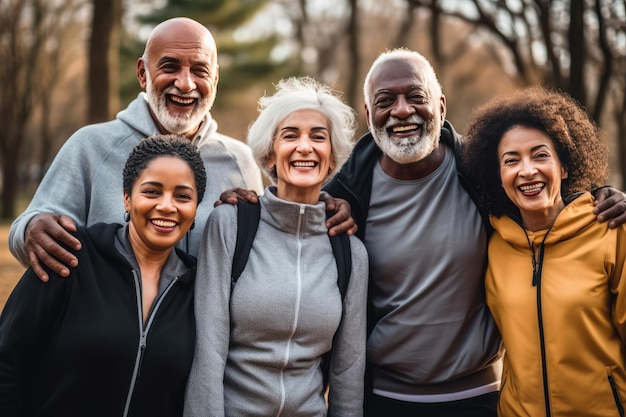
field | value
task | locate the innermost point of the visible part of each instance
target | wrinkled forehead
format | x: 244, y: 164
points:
x: 182, y: 40
x: 398, y: 73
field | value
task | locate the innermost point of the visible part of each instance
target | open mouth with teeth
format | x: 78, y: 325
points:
x: 412, y: 128
x: 164, y: 223
x: 531, y: 189
x: 181, y: 101
x: 304, y: 164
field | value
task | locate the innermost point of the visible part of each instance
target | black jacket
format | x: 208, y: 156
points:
x: 77, y: 346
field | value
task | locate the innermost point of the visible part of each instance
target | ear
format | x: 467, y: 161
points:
x: 442, y: 107
x: 367, y: 116
x: 127, y: 205
x: 270, y: 161
x: 141, y: 73
x: 217, y: 77
x: 564, y: 173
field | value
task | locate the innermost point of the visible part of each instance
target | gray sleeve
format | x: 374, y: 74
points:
x: 347, y: 370
x: 205, y: 388
x: 63, y: 190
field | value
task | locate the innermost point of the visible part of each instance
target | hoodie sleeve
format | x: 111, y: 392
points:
x: 26, y: 319
x: 205, y: 388
x: 347, y: 368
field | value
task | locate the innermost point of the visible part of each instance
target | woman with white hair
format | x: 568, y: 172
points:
x: 260, y: 341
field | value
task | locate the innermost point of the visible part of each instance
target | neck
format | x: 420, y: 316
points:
x: 309, y: 195
x: 413, y: 170
x: 541, y: 220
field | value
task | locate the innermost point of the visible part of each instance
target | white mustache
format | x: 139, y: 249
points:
x: 392, y: 120
x: 176, y: 92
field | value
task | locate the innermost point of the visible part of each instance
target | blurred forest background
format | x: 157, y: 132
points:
x: 65, y: 63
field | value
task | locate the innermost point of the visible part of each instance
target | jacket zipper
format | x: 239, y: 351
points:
x: 536, y: 282
x: 296, y: 312
x: 618, y: 402
x: 143, y: 333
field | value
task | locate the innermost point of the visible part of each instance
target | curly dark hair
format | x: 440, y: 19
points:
x: 577, y: 139
x: 164, y: 145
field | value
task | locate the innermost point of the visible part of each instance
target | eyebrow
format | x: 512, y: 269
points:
x: 170, y: 59
x: 159, y: 184
x: 533, y: 149
x: 314, y: 129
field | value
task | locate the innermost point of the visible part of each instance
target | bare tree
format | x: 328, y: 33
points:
x: 28, y: 38
x: 572, y: 45
x: 104, y: 95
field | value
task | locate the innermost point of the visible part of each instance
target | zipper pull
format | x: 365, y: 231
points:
x: 537, y: 265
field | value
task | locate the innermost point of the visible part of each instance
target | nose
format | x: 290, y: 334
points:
x: 402, y: 108
x: 304, y: 144
x: 166, y: 204
x: 184, y: 80
x: 527, y: 168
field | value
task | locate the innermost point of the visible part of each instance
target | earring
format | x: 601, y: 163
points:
x: 193, y: 225
x: 126, y: 216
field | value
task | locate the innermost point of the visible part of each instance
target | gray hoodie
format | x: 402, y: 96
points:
x: 258, y: 350
x: 85, y: 178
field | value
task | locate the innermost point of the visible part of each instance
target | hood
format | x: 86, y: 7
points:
x: 576, y: 215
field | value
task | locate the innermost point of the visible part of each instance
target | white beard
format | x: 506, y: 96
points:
x: 179, y: 122
x: 409, y: 149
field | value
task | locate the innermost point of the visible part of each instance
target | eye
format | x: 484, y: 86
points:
x: 150, y: 192
x: 289, y: 136
x: 202, y: 72
x: 169, y: 68
x: 509, y: 161
x: 418, y: 98
x: 384, y: 101
x: 184, y: 196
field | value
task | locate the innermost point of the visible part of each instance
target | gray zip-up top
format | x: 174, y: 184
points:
x: 258, y: 349
x: 85, y: 178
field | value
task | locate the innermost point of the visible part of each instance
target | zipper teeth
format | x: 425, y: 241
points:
x: 296, y: 312
x: 143, y: 333
x: 618, y: 402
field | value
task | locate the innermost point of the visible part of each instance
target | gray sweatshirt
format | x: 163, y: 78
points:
x: 85, y: 178
x: 258, y: 349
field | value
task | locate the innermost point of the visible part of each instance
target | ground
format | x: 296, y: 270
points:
x: 10, y: 269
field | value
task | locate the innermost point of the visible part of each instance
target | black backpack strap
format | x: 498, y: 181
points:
x: 343, y: 258
x: 248, y: 217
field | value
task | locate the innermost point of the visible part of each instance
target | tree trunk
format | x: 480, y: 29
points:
x: 104, y: 99
x: 577, y: 50
x: 355, y: 56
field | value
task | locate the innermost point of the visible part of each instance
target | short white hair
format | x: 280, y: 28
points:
x: 408, y: 55
x: 301, y: 93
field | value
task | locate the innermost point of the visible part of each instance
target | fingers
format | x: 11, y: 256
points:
x: 45, y: 235
x: 341, y: 221
x: 231, y: 196
x: 612, y: 209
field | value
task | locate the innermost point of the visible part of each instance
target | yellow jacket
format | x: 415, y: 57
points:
x: 565, y: 337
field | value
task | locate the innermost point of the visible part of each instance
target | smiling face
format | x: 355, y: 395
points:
x: 403, y: 115
x: 162, y: 204
x: 302, y: 156
x: 531, y: 175
x: 180, y: 75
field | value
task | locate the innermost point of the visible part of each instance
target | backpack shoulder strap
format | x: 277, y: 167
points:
x: 343, y: 258
x: 248, y: 217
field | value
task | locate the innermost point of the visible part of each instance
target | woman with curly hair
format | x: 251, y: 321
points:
x: 555, y: 280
